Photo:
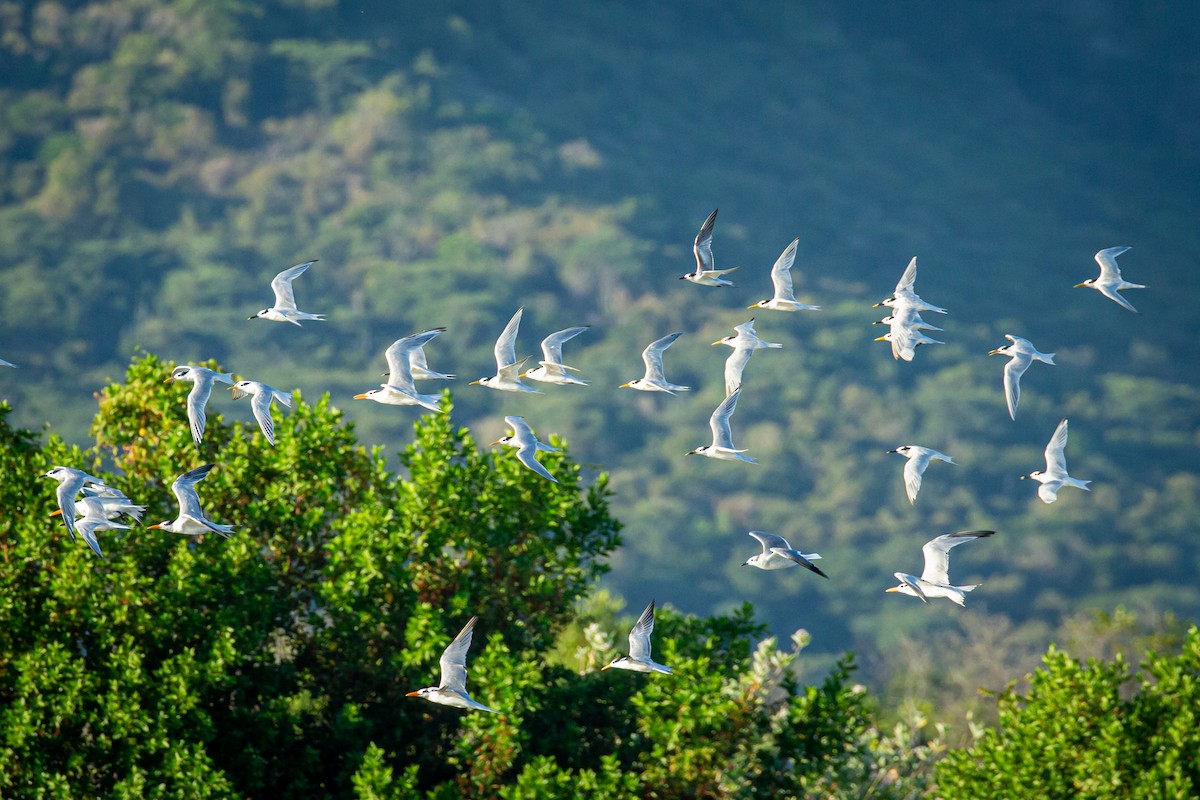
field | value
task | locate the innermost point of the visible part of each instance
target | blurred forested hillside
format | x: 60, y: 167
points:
x: 449, y: 162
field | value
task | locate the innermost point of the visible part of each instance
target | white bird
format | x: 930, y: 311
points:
x: 285, y: 309
x: 418, y: 366
x: 4, y: 363
x: 905, y: 292
x: 400, y: 389
x: 507, y: 377
x: 88, y: 525
x: 552, y: 369
x: 744, y: 344
x: 909, y: 319
x: 722, y: 443
x: 654, y: 380
x: 1021, y: 354
x: 781, y: 278
x: 452, y: 691
x: 905, y: 339
x: 705, y: 275
x: 100, y: 500
x: 260, y: 404
x: 202, y: 380
x: 191, y: 520
x: 70, y: 483
x: 1055, y: 476
x: 639, y: 659
x: 527, y: 446
x: 918, y: 459
x: 935, y: 578
x: 1109, y: 282
x: 778, y: 554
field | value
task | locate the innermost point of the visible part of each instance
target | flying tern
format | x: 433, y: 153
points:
x: 639, y: 659
x: 100, y: 500
x: 400, y: 389
x: 935, y: 578
x: 70, y: 483
x: 705, y: 274
x: 191, y: 520
x: 202, y: 380
x: 654, y: 380
x: 905, y: 293
x: 285, y: 309
x: 778, y: 554
x: 1109, y: 282
x: 507, y: 377
x: 527, y: 446
x: 552, y: 369
x: 1055, y: 476
x: 781, y: 278
x: 88, y: 525
x: 918, y: 459
x: 418, y: 366
x: 260, y: 403
x: 722, y: 443
x: 452, y: 691
x: 744, y: 343
x: 1021, y: 354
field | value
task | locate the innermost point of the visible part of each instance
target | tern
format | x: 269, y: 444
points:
x: 202, y: 384
x: 781, y: 278
x: 905, y: 293
x: 909, y: 319
x: 639, y: 659
x: 260, y: 404
x: 400, y: 389
x: 527, y: 446
x: 191, y: 520
x: 722, y: 443
x: 87, y: 527
x: 1110, y: 283
x: 552, y: 369
x: 918, y: 459
x: 904, y: 331
x: 1021, y: 354
x: 285, y: 309
x: 100, y: 500
x: 654, y: 380
x: 70, y: 483
x: 1055, y: 476
x: 507, y: 377
x: 778, y: 554
x: 935, y: 578
x: 418, y: 366
x: 744, y: 344
x: 705, y: 275
x: 452, y: 691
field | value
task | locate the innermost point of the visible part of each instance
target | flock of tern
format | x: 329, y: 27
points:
x: 87, y: 505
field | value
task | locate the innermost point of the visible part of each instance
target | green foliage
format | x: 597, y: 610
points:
x: 1077, y: 733
x: 334, y: 596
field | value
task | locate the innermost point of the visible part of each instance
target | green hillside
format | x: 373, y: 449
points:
x: 160, y: 162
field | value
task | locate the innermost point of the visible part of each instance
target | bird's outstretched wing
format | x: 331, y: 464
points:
x: 285, y: 298
x: 639, y: 637
x: 703, y: 246
x: 937, y: 554
x: 454, y: 659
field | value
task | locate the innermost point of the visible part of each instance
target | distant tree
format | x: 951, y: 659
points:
x: 1074, y: 734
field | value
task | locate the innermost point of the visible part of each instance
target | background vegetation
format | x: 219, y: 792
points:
x: 160, y: 161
